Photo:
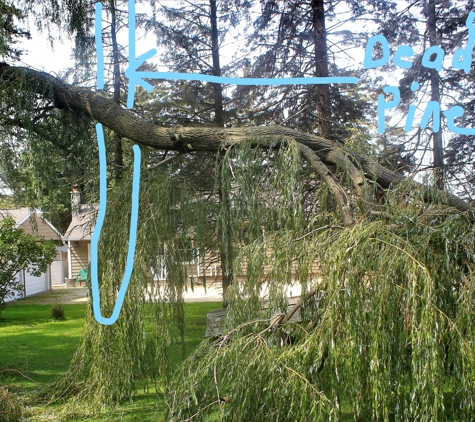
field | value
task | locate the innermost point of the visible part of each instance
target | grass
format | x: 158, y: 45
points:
x: 35, y: 350
x: 35, y: 345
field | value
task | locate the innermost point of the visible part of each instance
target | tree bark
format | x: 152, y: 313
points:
x: 437, y: 145
x: 322, y: 92
x: 226, y: 254
x: 118, y: 153
x: 218, y: 88
x: 187, y: 139
x: 225, y: 244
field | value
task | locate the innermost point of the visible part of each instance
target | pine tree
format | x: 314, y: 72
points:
x: 426, y: 24
x: 291, y: 39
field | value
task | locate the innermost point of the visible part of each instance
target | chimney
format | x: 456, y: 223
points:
x: 75, y: 201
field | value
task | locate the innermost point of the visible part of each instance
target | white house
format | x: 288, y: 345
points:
x: 78, y: 238
x: 33, y: 222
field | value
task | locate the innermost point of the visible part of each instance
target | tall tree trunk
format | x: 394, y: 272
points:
x: 118, y: 155
x: 322, y: 92
x: 218, y: 89
x: 225, y: 236
x: 225, y: 232
x: 437, y: 146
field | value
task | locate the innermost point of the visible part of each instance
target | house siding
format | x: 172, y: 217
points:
x: 79, y: 257
x: 40, y: 228
x: 212, y: 268
x: 209, y: 267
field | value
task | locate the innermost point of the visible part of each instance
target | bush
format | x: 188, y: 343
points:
x: 19, y: 251
x: 57, y: 312
x: 10, y: 406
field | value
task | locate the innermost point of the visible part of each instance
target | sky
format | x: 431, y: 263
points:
x: 40, y: 55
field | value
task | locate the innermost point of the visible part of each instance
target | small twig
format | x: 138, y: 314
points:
x: 216, y: 381
x: 204, y: 408
x: 231, y: 168
x: 20, y: 373
x: 328, y: 226
x: 166, y: 160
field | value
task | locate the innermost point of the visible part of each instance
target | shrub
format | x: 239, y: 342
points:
x: 57, y: 312
x: 19, y: 251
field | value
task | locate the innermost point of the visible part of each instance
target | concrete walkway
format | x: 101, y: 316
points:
x: 60, y: 295
x: 213, y: 293
x: 74, y: 295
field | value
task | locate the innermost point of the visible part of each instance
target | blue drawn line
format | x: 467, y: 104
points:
x: 96, y: 298
x: 99, y: 46
x: 131, y: 90
x: 137, y: 77
x: 251, y: 81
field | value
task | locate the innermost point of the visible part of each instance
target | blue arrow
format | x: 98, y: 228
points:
x: 137, y: 78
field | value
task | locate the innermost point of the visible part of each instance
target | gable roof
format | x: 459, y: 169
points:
x: 82, y: 224
x: 32, y: 221
x: 18, y: 214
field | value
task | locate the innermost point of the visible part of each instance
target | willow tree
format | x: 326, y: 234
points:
x: 192, y: 36
x: 386, y: 323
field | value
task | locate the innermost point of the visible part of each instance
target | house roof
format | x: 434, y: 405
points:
x: 32, y: 221
x: 18, y: 214
x: 82, y: 224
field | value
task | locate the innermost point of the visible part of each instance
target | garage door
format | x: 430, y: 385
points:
x: 36, y: 284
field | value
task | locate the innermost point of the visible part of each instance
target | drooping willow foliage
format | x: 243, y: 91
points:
x: 386, y: 330
x: 179, y: 213
x: 112, y: 362
x: 387, y: 312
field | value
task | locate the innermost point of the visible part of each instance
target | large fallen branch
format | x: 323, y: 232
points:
x: 187, y: 139
x: 333, y: 184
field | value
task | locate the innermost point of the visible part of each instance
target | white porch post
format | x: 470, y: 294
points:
x: 70, y: 261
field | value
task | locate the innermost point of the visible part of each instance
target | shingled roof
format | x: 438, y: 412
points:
x: 18, y: 214
x: 82, y: 224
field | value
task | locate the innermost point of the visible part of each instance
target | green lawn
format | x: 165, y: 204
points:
x: 35, y: 350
